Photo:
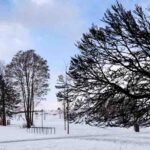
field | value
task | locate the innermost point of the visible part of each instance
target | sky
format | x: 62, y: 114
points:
x: 51, y: 28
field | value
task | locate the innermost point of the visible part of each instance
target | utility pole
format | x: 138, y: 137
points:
x: 63, y: 84
x: 42, y: 117
x: 65, y: 118
x: 67, y: 109
x: 67, y: 102
x: 3, y: 102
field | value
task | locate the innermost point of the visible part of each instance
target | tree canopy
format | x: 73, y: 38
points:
x: 29, y: 74
x: 112, y: 72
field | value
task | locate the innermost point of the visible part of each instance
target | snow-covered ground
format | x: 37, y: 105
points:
x: 82, y: 137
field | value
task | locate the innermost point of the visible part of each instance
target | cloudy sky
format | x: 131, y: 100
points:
x: 51, y: 27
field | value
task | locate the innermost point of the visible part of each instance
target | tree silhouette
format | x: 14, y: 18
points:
x: 29, y: 73
x: 112, y: 71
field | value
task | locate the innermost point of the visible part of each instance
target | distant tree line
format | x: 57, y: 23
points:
x: 111, y: 74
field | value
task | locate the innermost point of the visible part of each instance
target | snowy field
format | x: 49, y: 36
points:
x: 82, y: 137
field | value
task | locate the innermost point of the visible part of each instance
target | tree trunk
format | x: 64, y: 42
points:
x: 28, y: 124
x: 28, y: 119
x: 32, y: 111
x: 31, y: 115
x: 64, y: 115
x: 136, y: 128
x: 3, y: 103
x: 32, y: 118
x: 67, y: 114
x: 4, y: 114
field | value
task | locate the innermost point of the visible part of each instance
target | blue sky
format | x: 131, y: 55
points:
x: 51, y: 27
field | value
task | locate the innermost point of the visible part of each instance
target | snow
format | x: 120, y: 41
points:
x: 82, y: 137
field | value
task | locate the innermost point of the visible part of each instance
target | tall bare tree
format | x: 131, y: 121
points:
x: 29, y: 73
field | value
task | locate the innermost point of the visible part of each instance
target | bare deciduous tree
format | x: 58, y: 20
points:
x: 29, y: 73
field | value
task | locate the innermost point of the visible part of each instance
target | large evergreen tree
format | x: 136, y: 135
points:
x: 112, y: 72
x: 9, y: 99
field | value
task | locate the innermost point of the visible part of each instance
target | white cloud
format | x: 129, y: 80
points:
x: 13, y: 37
x: 42, y: 2
x: 46, y: 13
x: 24, y: 16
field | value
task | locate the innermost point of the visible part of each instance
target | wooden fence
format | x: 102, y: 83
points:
x: 42, y: 130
